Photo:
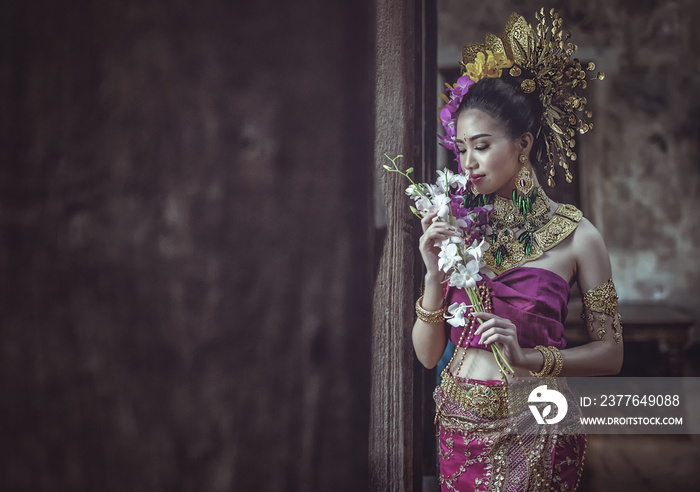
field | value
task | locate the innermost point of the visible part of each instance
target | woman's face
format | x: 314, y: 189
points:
x: 487, y: 153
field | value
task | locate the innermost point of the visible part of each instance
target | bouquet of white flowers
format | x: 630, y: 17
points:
x: 461, y: 255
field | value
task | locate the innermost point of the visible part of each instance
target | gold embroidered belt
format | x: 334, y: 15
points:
x: 479, y: 399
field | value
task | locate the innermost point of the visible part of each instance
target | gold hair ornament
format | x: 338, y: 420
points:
x: 543, y: 56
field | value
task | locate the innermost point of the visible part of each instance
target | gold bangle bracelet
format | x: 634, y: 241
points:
x: 558, y: 362
x: 430, y: 317
x: 548, y: 361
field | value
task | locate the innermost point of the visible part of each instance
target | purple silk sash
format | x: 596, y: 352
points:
x: 533, y: 299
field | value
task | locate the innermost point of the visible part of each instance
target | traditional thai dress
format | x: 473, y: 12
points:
x: 483, y: 452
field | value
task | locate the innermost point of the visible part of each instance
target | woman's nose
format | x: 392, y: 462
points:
x: 468, y: 161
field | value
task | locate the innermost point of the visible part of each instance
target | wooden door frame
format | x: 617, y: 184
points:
x: 400, y: 421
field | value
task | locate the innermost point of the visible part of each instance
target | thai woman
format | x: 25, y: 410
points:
x: 511, y: 120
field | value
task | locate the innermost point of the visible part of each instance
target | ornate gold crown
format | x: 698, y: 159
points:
x: 545, y: 54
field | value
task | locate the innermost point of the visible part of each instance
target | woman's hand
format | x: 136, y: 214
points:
x: 433, y: 232
x: 503, y: 333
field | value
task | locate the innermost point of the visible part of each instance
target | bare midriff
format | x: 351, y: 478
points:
x: 479, y: 364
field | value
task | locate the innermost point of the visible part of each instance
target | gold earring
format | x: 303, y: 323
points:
x: 473, y: 190
x: 524, y: 183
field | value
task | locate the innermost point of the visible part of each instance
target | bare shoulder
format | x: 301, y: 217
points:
x: 587, y: 236
x: 592, y: 257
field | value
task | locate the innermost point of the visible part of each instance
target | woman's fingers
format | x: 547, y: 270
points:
x: 433, y: 234
x: 503, y: 333
x: 494, y: 326
x: 432, y: 237
x: 427, y: 220
x: 489, y: 320
x: 484, y: 315
x: 496, y: 335
x: 438, y: 231
x: 440, y: 226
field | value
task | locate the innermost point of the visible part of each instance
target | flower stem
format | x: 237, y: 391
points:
x: 500, y: 359
x: 396, y: 169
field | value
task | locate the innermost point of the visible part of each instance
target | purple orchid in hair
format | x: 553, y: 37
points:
x: 448, y: 114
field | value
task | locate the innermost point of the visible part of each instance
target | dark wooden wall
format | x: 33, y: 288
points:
x: 401, y: 436
x: 185, y: 245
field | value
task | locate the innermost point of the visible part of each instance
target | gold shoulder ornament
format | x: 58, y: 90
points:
x: 602, y: 301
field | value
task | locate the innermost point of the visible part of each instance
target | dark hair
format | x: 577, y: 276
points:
x: 503, y: 99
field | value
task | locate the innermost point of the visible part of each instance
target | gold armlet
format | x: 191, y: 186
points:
x: 548, y: 362
x: 430, y: 317
x: 603, y: 301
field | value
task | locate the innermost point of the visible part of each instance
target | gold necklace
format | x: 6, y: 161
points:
x: 506, y: 215
x: 540, y: 234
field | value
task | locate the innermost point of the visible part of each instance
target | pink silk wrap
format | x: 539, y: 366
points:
x: 484, y: 454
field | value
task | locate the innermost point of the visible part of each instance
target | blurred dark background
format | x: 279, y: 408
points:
x: 184, y: 244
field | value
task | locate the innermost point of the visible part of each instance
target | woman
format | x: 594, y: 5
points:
x: 511, y: 117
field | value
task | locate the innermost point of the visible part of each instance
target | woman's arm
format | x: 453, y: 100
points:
x: 429, y: 338
x: 600, y: 356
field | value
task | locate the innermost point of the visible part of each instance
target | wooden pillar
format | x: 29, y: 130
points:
x: 185, y: 245
x: 404, y: 115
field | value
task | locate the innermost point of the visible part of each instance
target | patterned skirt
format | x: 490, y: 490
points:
x: 482, y: 448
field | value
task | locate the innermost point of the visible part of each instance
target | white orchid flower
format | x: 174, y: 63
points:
x: 432, y: 203
x: 477, y: 250
x: 456, y: 314
x: 442, y: 206
x: 461, y: 180
x: 472, y: 269
x: 423, y: 204
x: 431, y: 189
x: 448, y: 257
x: 460, y: 224
x: 460, y: 278
x: 465, y: 276
x: 414, y: 191
x: 445, y: 179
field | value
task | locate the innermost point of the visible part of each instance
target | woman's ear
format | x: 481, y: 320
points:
x: 526, y: 141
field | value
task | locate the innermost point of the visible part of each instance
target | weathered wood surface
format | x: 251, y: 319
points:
x: 185, y: 245
x: 396, y: 418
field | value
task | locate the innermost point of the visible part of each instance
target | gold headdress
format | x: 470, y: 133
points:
x: 545, y: 54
